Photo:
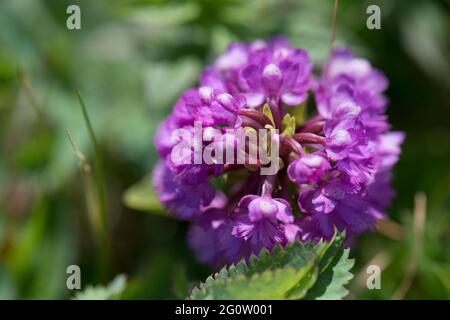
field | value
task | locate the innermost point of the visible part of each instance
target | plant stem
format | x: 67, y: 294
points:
x: 268, y: 185
x: 333, y: 27
x: 310, y: 138
x: 100, y: 187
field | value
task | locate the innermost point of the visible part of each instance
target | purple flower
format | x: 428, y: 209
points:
x: 163, y: 136
x: 185, y: 201
x: 388, y: 149
x: 183, y: 157
x: 342, y: 137
x: 212, y: 106
x: 258, y: 222
x: 263, y: 71
x: 262, y: 207
x: 333, y: 205
x: 346, y: 75
x: 203, y: 236
x: 337, y: 164
x: 379, y: 191
x: 308, y: 169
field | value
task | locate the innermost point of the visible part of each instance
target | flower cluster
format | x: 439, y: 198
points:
x: 334, y: 168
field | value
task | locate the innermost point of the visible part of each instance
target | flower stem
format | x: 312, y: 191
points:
x: 249, y: 122
x: 274, y: 108
x: 333, y: 28
x: 311, y: 138
x: 314, y: 127
x: 268, y: 185
x: 310, y: 122
x: 292, y: 145
x: 255, y: 115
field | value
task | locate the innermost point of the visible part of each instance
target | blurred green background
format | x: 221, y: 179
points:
x: 130, y: 61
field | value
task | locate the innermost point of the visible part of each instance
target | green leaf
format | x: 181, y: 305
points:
x: 297, y: 271
x: 142, y: 197
x: 299, y: 113
x: 163, y: 16
x: 180, y: 284
x: 110, y: 292
x: 266, y: 285
x: 334, y: 271
x: 268, y: 113
x: 98, y: 164
x: 289, y: 124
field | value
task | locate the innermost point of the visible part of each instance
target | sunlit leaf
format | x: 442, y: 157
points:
x: 142, y: 197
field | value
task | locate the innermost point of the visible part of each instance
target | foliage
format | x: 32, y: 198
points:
x: 297, y: 271
x: 108, y: 292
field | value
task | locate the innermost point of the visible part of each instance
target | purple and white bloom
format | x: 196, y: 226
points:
x: 184, y: 200
x: 203, y: 236
x: 263, y: 72
x: 337, y: 164
x: 308, y: 169
x: 258, y: 222
x: 213, y: 106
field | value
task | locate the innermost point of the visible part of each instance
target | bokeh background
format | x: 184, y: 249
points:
x: 130, y: 61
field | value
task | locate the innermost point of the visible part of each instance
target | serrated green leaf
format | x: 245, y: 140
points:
x: 334, y: 271
x: 110, y: 292
x: 297, y: 271
x: 286, y: 267
x: 270, y: 284
x: 306, y: 282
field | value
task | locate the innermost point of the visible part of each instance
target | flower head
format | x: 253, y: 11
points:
x: 308, y: 169
x: 262, y: 72
x: 337, y: 164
